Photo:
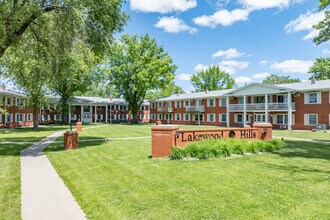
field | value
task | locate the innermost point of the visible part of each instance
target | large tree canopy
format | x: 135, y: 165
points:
x: 324, y: 26
x: 169, y: 90
x: 213, y: 78
x: 320, y: 69
x: 99, y: 19
x: 277, y: 79
x: 137, y: 65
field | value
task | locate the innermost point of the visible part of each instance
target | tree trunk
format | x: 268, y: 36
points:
x: 2, y: 50
x: 134, y: 119
x: 65, y: 110
x: 35, y: 118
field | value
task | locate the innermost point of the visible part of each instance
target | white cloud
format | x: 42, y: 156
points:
x: 305, y: 22
x: 222, y: 17
x: 184, y: 76
x: 200, y: 67
x: 174, y: 25
x: 228, y: 54
x: 243, y: 79
x: 259, y: 4
x: 293, y: 66
x: 326, y: 51
x: 260, y: 75
x: 235, y: 64
x: 264, y: 62
x: 162, y: 6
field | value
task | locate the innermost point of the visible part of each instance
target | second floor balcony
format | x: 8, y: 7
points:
x: 165, y: 109
x: 197, y: 108
x: 261, y: 107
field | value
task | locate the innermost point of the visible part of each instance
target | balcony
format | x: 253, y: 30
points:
x: 166, y: 109
x: 261, y: 107
x: 198, y: 108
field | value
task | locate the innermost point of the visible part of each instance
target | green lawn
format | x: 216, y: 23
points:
x: 118, y: 179
x: 10, y: 181
x: 303, y: 134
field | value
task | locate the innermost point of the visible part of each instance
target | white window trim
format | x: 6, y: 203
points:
x: 319, y: 98
x: 185, y: 117
x: 176, y: 117
x: 176, y: 104
x: 220, y: 117
x: 99, y: 118
x: 306, y: 119
x: 57, y: 117
x: 236, y: 119
x: 209, y: 101
x: 276, y: 122
x: 220, y: 102
x: 184, y: 103
x: 208, y: 118
x: 159, y: 116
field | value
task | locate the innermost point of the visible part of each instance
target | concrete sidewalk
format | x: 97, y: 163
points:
x: 44, y: 194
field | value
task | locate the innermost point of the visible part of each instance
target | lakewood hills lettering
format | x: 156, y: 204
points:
x: 199, y: 136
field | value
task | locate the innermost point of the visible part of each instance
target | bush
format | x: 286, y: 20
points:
x: 224, y: 148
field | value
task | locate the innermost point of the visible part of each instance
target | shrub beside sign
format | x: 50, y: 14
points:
x: 164, y: 137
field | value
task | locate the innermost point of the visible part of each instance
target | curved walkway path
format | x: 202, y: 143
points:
x: 44, y: 194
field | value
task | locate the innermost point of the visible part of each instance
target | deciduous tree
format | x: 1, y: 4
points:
x: 213, y: 78
x: 169, y: 90
x: 324, y: 26
x: 277, y: 79
x: 137, y: 65
x: 321, y: 69
x: 100, y: 19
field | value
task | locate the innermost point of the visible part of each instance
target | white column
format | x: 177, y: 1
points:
x: 81, y: 113
x: 106, y: 113
x: 266, y: 108
x: 70, y: 114
x: 289, y: 111
x: 244, y: 111
x: 227, y: 112
x: 95, y: 115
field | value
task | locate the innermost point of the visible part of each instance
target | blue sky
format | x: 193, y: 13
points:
x: 248, y: 38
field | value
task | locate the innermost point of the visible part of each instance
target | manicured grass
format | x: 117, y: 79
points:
x: 28, y: 134
x: 118, y: 179
x: 303, y: 134
x: 10, y: 181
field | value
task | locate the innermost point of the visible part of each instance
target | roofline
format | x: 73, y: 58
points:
x: 259, y: 84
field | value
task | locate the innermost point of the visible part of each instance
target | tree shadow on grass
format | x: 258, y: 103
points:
x: 305, y: 149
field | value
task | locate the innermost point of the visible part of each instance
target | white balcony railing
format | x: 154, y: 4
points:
x: 165, y: 109
x: 197, y: 108
x: 262, y: 107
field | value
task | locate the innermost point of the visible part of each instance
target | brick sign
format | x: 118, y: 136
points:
x: 165, y: 137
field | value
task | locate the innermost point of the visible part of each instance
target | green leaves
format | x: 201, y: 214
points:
x: 277, y: 79
x: 321, y: 69
x: 213, y: 78
x: 137, y: 64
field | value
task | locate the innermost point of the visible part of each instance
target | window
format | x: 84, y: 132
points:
x: 178, y: 104
x: 57, y: 117
x: 9, y: 101
x: 168, y: 117
x: 211, y: 117
x: 87, y: 108
x: 57, y: 107
x: 113, y: 107
x: 72, y: 107
x: 239, y: 118
x: 259, y: 99
x: 153, y: 105
x: 186, y: 103
x: 29, y: 117
x: 282, y: 119
x: 9, y: 118
x: 45, y: 117
x: 159, y: 117
x: 99, y: 107
x: 211, y: 102
x: 223, y: 118
x: 178, y: 117
x: 240, y: 100
x: 153, y: 116
x: 199, y: 117
x: 223, y: 102
x: 198, y: 102
x: 19, y: 101
x: 168, y: 104
x: 99, y: 117
x: 73, y: 117
x: 311, y: 119
x: 187, y: 117
x: 112, y: 117
x: 282, y: 98
x: 123, y: 117
x: 142, y: 116
x: 314, y: 98
x: 19, y: 117
x: 159, y: 104
x: 259, y: 118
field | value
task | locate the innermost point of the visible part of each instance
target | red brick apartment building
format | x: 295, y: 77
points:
x: 94, y: 110
x: 299, y: 106
x: 14, y: 104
